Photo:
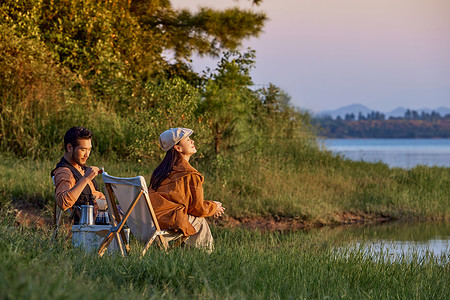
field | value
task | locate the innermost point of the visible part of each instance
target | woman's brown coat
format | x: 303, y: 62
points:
x: 180, y: 194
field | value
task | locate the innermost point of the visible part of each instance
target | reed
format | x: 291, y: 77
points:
x: 308, y: 185
x: 245, y: 264
x: 318, y: 187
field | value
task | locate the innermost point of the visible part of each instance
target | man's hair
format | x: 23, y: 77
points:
x: 74, y: 134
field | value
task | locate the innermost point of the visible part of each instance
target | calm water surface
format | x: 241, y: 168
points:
x: 403, y: 153
x: 398, y: 240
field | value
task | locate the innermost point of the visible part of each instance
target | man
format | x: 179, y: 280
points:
x: 74, y: 181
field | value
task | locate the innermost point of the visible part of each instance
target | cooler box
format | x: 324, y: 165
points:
x: 89, y: 237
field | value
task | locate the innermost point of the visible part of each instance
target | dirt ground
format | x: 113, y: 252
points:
x: 34, y: 217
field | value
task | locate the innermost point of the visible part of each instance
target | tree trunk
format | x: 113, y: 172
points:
x: 217, y: 141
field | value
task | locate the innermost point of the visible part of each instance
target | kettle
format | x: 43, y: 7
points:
x: 87, y: 215
x: 102, y: 218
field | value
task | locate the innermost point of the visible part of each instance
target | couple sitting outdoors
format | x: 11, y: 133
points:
x: 175, y: 191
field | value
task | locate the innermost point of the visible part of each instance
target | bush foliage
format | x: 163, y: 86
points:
x: 103, y: 65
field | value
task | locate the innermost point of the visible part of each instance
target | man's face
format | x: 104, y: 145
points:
x: 81, y: 153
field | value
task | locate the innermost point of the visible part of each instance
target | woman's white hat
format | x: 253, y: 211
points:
x: 171, y: 137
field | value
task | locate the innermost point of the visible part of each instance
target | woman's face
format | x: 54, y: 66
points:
x: 186, y: 147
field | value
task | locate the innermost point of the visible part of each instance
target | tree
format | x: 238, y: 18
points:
x: 227, y: 98
x: 408, y: 114
x: 131, y: 39
x: 276, y: 120
x: 349, y: 117
x: 110, y: 52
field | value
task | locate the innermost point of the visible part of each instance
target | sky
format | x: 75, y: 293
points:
x: 331, y: 53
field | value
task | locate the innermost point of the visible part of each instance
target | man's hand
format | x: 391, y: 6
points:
x: 91, y: 172
x: 219, y: 211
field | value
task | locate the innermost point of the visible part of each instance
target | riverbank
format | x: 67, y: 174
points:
x: 32, y: 217
x: 284, y: 188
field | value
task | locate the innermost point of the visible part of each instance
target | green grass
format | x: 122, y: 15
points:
x: 244, y: 265
x: 317, y: 187
x: 303, y: 184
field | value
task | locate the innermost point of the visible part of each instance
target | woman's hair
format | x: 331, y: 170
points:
x: 164, y: 168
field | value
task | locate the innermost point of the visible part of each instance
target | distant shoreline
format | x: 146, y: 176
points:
x: 381, y: 138
x: 392, y: 128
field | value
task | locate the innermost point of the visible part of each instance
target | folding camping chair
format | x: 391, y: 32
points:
x: 57, y: 216
x: 132, y: 196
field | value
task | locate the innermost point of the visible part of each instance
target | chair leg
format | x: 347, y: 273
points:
x: 104, y: 245
x: 69, y: 236
x: 127, y: 246
x: 108, y: 239
x: 150, y: 241
x: 56, y: 220
x: 179, y: 241
x: 56, y: 232
x: 163, y: 242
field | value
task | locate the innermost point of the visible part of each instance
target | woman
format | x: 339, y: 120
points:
x: 176, y: 191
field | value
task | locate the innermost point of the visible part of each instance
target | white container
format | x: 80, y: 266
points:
x: 89, y: 237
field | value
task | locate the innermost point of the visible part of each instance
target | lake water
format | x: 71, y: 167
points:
x: 398, y: 240
x: 403, y: 153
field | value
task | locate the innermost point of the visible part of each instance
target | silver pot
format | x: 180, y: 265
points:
x: 87, y: 215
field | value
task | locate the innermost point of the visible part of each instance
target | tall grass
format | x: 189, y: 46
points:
x: 245, y: 264
x: 307, y: 185
x: 317, y: 187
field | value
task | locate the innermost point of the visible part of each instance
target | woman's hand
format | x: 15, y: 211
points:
x: 220, y: 210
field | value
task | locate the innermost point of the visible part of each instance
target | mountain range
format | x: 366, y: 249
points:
x: 364, y: 110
